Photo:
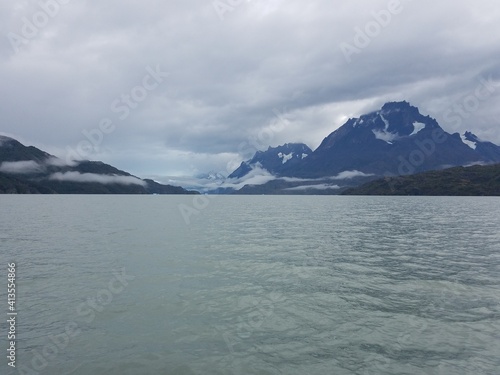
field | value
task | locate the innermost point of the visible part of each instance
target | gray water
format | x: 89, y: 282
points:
x: 253, y: 285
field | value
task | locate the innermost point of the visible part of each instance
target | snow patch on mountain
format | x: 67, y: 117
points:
x: 385, y: 136
x: 285, y: 157
x: 417, y: 126
x: 471, y: 144
x: 385, y: 122
x: 304, y: 156
x: 212, y: 175
x: 358, y: 121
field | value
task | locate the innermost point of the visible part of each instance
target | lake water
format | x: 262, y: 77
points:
x: 253, y: 285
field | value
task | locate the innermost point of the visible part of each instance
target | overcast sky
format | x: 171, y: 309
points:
x: 180, y: 88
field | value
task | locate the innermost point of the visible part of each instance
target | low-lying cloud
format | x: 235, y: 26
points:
x: 56, y: 162
x: 261, y: 176
x: 345, y: 175
x: 32, y: 166
x: 348, y: 175
x: 313, y: 187
x: 258, y: 176
x: 96, y: 178
x: 21, y: 167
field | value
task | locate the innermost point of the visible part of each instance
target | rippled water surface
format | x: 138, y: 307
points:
x: 253, y: 285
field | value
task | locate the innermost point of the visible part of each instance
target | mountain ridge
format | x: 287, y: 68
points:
x: 476, y: 180
x: 274, y: 159
x: 395, y: 140
x: 29, y: 170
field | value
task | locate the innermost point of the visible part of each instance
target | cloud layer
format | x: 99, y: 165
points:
x: 96, y: 72
x: 260, y: 176
x: 314, y: 187
x: 20, y: 167
x: 99, y: 178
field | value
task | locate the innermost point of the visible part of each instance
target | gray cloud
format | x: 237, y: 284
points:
x: 259, y: 176
x: 227, y: 77
x: 56, y: 162
x: 31, y: 166
x: 314, y: 187
x: 347, y: 175
x: 20, y: 167
x: 99, y: 178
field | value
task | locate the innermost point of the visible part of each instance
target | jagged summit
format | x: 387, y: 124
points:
x: 394, y: 140
x: 490, y: 152
x: 393, y: 122
x: 398, y: 106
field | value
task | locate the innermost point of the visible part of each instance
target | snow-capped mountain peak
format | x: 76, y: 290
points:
x: 395, y: 140
x: 274, y: 159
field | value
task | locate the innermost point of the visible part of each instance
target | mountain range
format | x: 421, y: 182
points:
x: 393, y: 141
x: 396, y: 140
x: 28, y: 170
